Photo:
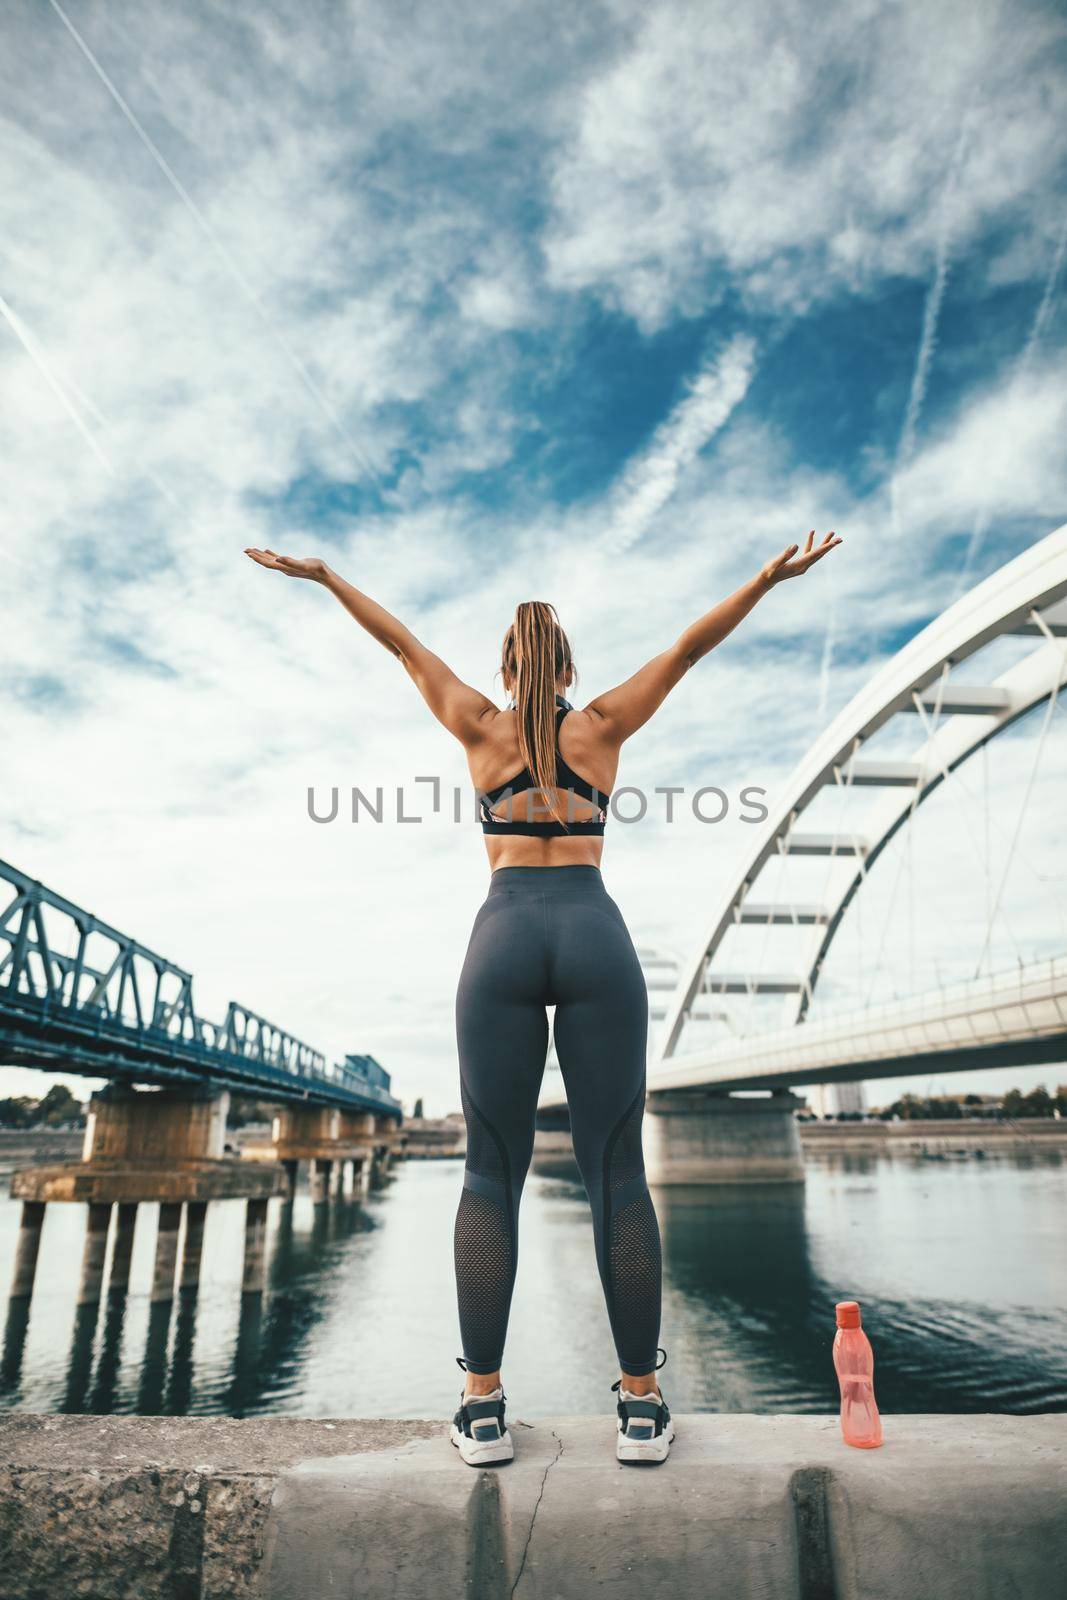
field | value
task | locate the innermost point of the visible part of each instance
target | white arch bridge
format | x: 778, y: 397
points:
x: 1010, y: 1018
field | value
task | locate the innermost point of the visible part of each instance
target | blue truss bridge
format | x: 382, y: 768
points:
x: 78, y: 996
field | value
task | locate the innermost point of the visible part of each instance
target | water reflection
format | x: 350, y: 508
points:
x: 272, y: 1335
x: 753, y: 1274
x: 102, y: 1397
x: 80, y: 1360
x: 18, y: 1321
x: 741, y: 1286
x: 180, y: 1382
x: 154, y: 1362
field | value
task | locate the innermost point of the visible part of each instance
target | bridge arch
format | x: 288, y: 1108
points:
x: 1026, y: 597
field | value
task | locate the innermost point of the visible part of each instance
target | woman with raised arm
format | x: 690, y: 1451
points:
x: 549, y: 934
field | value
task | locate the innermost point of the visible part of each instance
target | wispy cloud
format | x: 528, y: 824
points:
x: 220, y: 249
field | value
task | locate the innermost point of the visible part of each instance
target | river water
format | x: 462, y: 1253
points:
x: 960, y: 1266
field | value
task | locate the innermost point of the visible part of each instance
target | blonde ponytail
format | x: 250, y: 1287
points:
x: 537, y: 657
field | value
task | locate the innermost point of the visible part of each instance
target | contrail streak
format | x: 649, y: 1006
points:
x: 927, y: 342
x: 1043, y: 315
x: 40, y: 361
x: 718, y: 388
x: 219, y: 248
x: 931, y: 317
x: 1038, y: 329
x: 75, y: 401
x: 109, y: 428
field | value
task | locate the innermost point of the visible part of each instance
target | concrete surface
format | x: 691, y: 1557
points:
x: 957, y: 1508
x: 126, y: 1182
x: 135, y: 1508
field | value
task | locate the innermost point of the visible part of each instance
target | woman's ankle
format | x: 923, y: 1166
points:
x: 633, y: 1384
x: 480, y: 1383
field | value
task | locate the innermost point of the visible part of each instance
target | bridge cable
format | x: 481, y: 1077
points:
x: 844, y: 788
x: 1046, y: 722
x: 930, y: 747
x: 908, y: 818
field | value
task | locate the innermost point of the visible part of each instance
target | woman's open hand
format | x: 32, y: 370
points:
x: 311, y: 568
x: 794, y: 562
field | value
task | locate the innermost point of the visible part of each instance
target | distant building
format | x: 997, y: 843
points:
x: 837, y: 1099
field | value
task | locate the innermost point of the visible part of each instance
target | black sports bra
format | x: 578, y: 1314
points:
x: 566, y: 778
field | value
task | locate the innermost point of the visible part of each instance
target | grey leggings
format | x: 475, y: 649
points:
x: 552, y: 936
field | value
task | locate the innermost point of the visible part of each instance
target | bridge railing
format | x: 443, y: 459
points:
x: 57, y: 958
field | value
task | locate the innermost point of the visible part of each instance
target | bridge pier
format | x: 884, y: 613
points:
x: 253, y: 1272
x: 161, y: 1145
x: 193, y: 1248
x: 122, y: 1250
x: 694, y: 1136
x: 345, y: 1150
x: 170, y: 1218
x: 94, y: 1254
x: 319, y: 1179
x: 27, y: 1249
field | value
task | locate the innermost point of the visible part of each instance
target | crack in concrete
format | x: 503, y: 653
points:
x: 536, y: 1509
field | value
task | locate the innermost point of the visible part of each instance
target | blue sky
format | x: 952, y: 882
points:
x: 604, y: 304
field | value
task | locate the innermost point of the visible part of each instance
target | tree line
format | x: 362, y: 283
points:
x: 1014, y: 1105
x: 60, y: 1108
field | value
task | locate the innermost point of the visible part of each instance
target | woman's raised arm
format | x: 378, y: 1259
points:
x: 461, y: 709
x: 623, y: 710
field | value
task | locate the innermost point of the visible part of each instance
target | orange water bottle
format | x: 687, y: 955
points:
x: 854, y: 1359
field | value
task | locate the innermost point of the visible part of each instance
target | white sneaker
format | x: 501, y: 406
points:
x: 479, y: 1431
x: 645, y: 1429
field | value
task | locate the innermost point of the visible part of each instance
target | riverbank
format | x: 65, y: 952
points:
x: 948, y: 1136
x: 280, y: 1509
x: 20, y: 1147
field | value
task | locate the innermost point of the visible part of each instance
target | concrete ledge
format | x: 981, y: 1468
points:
x: 105, y: 1182
x: 955, y: 1507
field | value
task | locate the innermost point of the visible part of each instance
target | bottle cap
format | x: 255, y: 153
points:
x: 848, y: 1314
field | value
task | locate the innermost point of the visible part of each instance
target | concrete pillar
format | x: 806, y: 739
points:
x: 697, y: 1137
x: 156, y: 1124
x: 170, y: 1216
x: 362, y: 1185
x: 302, y: 1125
x: 356, y: 1126
x: 252, y: 1278
x: 292, y: 1172
x: 122, y: 1250
x: 193, y: 1248
x: 319, y: 1175
x: 27, y: 1248
x: 336, y: 1178
x: 93, y: 1256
